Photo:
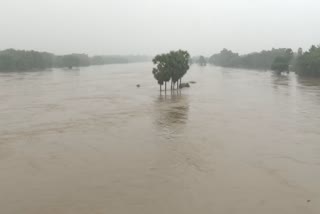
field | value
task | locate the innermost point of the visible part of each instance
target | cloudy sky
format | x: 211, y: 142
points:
x: 154, y: 26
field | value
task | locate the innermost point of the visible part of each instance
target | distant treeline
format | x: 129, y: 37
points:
x: 200, y: 60
x: 20, y: 60
x: 280, y: 60
x: 260, y: 60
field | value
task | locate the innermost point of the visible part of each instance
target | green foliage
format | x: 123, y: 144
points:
x: 281, y: 63
x: 259, y: 60
x: 20, y: 60
x: 171, y: 66
x: 24, y: 60
x: 17, y: 60
x: 309, y: 62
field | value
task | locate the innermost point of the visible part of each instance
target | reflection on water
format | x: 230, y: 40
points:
x: 280, y: 79
x: 171, y: 112
x: 90, y: 141
x: 309, y: 90
x: 172, y: 109
x: 309, y: 81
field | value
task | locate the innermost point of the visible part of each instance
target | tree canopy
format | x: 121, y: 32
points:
x: 309, y: 62
x: 257, y: 60
x: 170, y: 66
x: 281, y: 63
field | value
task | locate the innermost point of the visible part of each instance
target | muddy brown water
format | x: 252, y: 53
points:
x: 90, y: 141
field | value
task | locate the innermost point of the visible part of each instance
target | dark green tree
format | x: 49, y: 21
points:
x: 158, y: 75
x: 171, y: 66
x: 281, y: 63
x: 179, y: 65
x: 309, y: 62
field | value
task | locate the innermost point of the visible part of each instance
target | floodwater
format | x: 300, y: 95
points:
x: 91, y: 142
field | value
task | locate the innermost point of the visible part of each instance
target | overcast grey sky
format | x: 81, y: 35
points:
x: 154, y: 26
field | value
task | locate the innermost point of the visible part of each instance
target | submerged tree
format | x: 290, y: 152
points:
x: 158, y: 75
x: 171, y: 66
x: 162, y: 73
x: 281, y: 63
x: 202, y: 61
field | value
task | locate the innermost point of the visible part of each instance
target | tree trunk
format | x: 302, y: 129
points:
x: 160, y: 87
x: 165, y: 86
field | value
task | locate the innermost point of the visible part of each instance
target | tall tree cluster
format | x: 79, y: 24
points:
x: 172, y: 67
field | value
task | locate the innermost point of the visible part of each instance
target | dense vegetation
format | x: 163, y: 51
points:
x: 25, y: 60
x: 308, y: 63
x: 172, y: 67
x: 20, y: 60
x: 279, y: 60
x: 260, y: 60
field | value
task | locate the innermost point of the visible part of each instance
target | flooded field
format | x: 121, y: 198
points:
x: 90, y: 141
